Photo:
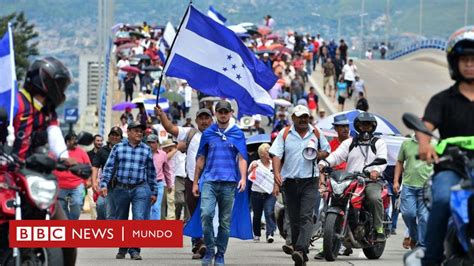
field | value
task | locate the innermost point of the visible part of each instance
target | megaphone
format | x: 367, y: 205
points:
x: 247, y: 121
x: 310, y: 152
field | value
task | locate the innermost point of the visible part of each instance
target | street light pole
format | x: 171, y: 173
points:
x: 339, y: 28
x: 420, y: 22
x: 362, y: 14
x: 387, y: 25
x: 466, y: 8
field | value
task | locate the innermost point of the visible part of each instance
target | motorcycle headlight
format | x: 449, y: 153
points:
x: 42, y: 191
x: 338, y: 188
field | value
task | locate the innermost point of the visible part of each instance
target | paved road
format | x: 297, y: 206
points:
x: 394, y: 87
x: 403, y: 85
x: 241, y: 253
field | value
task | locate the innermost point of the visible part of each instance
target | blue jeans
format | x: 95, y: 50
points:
x: 71, y: 201
x: 439, y: 216
x: 222, y: 194
x: 155, y: 212
x: 101, y: 208
x: 139, y: 197
x: 395, y: 211
x: 414, y: 213
x: 263, y: 202
x: 110, y: 204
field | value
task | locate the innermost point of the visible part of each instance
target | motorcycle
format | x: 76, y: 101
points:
x: 28, y: 191
x: 347, y: 221
x: 459, y: 240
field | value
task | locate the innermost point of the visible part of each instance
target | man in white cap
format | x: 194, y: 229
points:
x: 298, y: 177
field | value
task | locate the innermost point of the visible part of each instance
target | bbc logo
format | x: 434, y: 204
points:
x: 41, y: 233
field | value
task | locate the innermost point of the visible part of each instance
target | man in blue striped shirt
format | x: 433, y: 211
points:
x: 131, y: 164
x: 221, y: 167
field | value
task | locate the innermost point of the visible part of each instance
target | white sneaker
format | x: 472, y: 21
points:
x: 256, y: 239
x: 270, y: 239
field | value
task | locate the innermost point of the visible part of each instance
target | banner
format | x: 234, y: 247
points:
x: 97, y: 233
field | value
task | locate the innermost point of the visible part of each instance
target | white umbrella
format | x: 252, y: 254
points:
x: 282, y: 102
x: 384, y: 127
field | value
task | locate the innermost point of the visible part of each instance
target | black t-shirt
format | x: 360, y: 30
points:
x: 101, y: 157
x: 451, y: 112
x: 91, y: 155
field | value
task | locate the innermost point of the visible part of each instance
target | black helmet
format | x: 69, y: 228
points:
x: 461, y: 42
x: 50, y: 78
x: 365, y: 117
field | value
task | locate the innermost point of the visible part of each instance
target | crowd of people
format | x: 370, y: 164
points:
x: 161, y: 165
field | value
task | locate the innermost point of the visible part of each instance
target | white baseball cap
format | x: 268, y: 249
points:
x: 300, y: 110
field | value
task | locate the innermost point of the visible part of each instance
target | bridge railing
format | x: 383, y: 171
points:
x: 425, y: 44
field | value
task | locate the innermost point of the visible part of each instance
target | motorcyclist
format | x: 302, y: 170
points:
x: 451, y: 112
x: 365, y: 149
x: 35, y: 120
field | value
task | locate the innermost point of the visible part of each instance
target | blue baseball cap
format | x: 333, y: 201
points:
x: 340, y: 120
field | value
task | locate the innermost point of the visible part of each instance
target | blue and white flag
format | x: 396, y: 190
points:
x: 216, y: 16
x: 213, y: 60
x: 150, y: 105
x: 166, y: 40
x: 7, y: 74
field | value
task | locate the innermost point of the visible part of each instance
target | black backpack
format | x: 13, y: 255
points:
x: 355, y: 143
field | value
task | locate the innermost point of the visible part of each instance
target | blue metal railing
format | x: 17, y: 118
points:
x: 103, y: 91
x: 425, y: 44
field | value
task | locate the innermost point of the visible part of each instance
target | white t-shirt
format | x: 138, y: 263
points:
x: 359, y: 86
x: 162, y: 133
x: 192, y: 149
x: 349, y: 72
x: 122, y: 63
x: 179, y: 160
x: 188, y: 93
x: 256, y: 187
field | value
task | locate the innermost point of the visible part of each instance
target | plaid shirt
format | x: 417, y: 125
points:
x: 135, y: 165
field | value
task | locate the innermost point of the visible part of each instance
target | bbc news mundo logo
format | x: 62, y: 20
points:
x: 37, y: 233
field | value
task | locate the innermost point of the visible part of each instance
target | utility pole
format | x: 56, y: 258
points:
x: 387, y: 23
x: 362, y: 14
x: 420, y: 22
x: 466, y: 8
x: 339, y: 28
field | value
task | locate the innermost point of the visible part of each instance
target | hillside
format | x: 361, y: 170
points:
x: 69, y: 27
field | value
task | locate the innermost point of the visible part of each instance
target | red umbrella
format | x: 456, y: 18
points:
x: 283, y: 50
x: 264, y: 30
x: 131, y: 69
x: 120, y: 41
x: 125, y: 46
x: 273, y: 36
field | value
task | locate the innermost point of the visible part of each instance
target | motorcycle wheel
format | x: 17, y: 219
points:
x: 374, y: 252
x: 331, y: 242
x: 36, y: 257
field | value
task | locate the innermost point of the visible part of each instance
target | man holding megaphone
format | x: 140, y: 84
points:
x: 300, y: 145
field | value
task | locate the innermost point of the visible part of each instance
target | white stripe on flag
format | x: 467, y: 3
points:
x: 6, y: 70
x: 210, y: 55
x: 214, y: 17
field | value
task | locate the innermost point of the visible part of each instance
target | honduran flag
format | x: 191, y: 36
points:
x: 213, y: 60
x: 7, y: 74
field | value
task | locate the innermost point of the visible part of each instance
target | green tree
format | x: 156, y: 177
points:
x: 24, y: 35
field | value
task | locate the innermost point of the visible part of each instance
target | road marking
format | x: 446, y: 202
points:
x: 393, y: 80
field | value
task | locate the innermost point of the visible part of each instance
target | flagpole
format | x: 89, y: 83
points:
x: 171, y: 48
x: 11, y: 130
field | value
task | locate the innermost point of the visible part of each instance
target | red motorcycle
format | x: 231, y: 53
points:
x: 28, y: 191
x: 347, y: 221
